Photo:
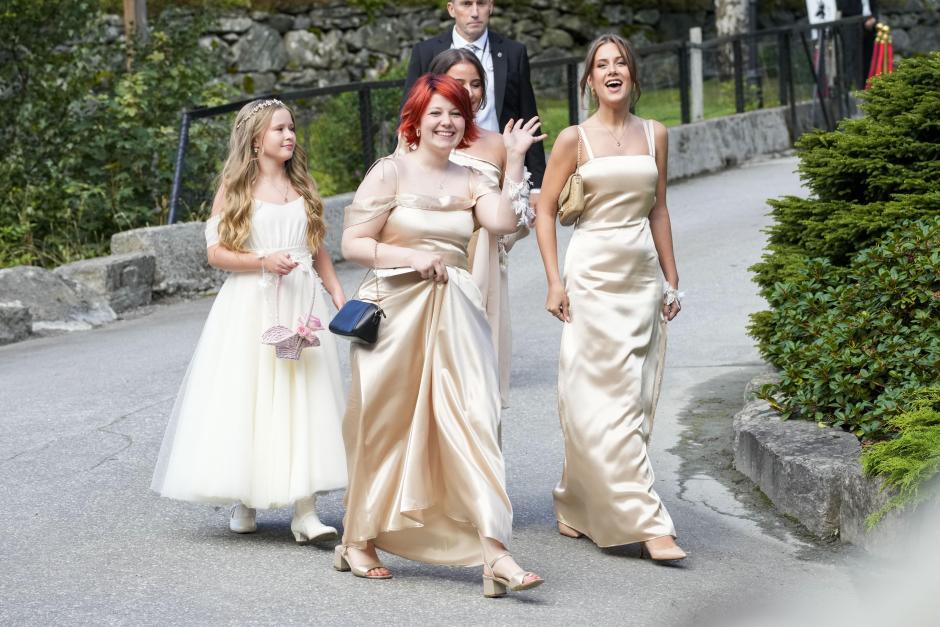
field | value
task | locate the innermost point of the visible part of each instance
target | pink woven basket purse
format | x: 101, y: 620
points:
x: 288, y: 344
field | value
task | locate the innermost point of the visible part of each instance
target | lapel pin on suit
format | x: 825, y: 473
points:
x: 499, y: 54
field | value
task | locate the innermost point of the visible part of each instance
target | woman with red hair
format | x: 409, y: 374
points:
x: 426, y: 475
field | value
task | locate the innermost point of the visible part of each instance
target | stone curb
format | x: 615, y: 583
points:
x: 813, y: 474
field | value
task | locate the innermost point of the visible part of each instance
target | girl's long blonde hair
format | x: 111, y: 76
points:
x: 241, y: 171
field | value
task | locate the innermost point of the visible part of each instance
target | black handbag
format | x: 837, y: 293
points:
x: 359, y: 319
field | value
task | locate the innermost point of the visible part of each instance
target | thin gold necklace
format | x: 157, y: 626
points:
x: 286, y: 188
x: 623, y: 131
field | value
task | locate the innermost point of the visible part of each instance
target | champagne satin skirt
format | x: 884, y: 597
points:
x: 426, y: 473
x: 609, y: 375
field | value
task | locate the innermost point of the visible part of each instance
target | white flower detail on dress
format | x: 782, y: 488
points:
x: 519, y: 194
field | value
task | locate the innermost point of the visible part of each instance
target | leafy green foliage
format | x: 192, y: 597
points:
x: 852, y: 274
x: 851, y: 342
x: 865, y: 178
x: 912, y: 459
x: 90, y: 142
x: 335, y: 139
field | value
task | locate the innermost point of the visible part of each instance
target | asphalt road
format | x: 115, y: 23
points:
x: 85, y: 541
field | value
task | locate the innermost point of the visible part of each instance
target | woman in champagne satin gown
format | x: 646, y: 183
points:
x: 426, y: 476
x: 488, y: 253
x: 615, y: 308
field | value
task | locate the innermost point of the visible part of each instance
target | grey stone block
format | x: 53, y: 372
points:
x: 713, y: 145
x: 15, y: 322
x: 333, y: 210
x: 125, y: 281
x: 54, y: 303
x: 180, y: 253
x: 799, y: 466
x: 814, y: 474
x: 260, y: 50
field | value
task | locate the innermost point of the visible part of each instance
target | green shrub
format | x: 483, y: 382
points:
x: 912, y: 459
x: 88, y: 143
x: 865, y: 178
x: 851, y: 342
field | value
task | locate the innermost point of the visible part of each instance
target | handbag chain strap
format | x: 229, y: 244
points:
x: 375, y: 254
x: 578, y: 162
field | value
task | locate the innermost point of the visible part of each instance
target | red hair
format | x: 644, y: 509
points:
x: 420, y: 96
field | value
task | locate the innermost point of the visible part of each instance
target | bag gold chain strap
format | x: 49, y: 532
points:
x: 571, y: 199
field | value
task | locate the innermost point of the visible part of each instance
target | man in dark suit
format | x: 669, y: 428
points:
x: 509, y: 92
x: 869, y: 8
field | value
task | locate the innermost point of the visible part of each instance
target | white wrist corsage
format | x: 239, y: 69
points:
x: 519, y: 194
x: 671, y: 295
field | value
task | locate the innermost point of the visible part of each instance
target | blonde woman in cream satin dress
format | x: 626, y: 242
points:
x: 489, y: 254
x: 614, y: 306
x: 426, y: 476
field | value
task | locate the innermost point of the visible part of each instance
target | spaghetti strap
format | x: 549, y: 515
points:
x: 390, y: 159
x: 650, y: 139
x: 587, y: 144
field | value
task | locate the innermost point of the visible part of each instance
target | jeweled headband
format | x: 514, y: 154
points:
x: 264, y: 104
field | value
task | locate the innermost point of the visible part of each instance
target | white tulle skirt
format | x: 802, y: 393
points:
x: 246, y: 425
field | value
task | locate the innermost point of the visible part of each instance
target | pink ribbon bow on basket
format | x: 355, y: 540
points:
x: 288, y: 344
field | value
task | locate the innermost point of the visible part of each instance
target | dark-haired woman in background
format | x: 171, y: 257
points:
x: 489, y: 264
x: 614, y: 306
x: 426, y: 476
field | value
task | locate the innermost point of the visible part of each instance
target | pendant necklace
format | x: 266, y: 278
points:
x: 623, y: 131
x: 283, y: 193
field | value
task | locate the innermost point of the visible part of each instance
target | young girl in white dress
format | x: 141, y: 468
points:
x: 249, y: 427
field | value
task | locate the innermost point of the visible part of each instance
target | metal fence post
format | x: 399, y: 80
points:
x: 695, y: 73
x: 738, y: 75
x: 365, y: 125
x: 783, y: 66
x: 684, y: 79
x: 573, y: 105
x: 178, y: 173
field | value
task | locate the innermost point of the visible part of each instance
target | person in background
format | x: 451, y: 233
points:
x: 489, y: 254
x: 868, y: 8
x: 509, y: 94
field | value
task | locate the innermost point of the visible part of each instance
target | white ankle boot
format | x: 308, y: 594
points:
x: 306, y: 526
x: 243, y: 519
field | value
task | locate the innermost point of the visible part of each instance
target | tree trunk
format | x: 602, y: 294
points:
x: 135, y: 19
x: 730, y: 19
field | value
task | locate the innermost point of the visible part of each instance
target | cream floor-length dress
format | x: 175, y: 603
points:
x: 426, y: 476
x: 247, y: 426
x: 611, y: 357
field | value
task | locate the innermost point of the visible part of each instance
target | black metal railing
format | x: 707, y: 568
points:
x: 830, y: 86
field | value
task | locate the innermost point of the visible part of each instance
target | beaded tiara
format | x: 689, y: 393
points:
x: 264, y: 104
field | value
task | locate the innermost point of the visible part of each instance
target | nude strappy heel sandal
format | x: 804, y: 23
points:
x: 342, y: 564
x: 495, y: 586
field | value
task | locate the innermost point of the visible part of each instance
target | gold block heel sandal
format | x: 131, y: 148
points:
x: 495, y: 586
x: 341, y: 563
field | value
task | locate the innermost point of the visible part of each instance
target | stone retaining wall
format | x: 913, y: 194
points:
x: 170, y: 261
x: 327, y: 43
x: 814, y: 475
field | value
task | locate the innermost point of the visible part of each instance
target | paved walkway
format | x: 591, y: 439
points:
x: 84, y: 541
